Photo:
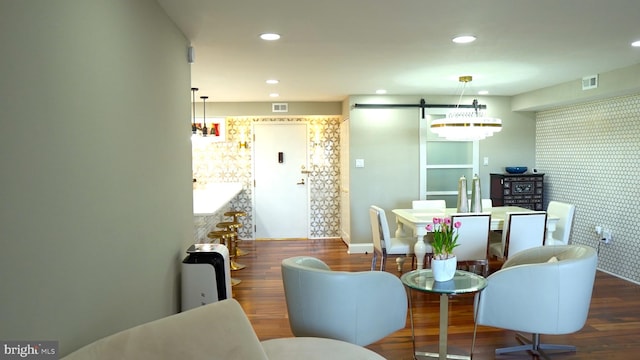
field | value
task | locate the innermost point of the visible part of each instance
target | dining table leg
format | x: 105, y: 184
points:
x: 551, y: 227
x: 420, y: 250
x: 400, y: 229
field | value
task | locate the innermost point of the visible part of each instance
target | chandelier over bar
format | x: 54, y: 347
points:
x: 204, y: 114
x: 194, y: 128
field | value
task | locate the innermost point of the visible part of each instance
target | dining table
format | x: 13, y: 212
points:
x: 416, y: 221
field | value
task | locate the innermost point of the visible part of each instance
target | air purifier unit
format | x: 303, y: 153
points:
x: 206, y: 275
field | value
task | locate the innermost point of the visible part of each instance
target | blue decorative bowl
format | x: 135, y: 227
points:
x: 515, y: 169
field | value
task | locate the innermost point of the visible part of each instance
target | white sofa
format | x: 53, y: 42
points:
x: 218, y: 331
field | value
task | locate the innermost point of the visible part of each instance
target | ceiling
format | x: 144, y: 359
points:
x: 331, y: 49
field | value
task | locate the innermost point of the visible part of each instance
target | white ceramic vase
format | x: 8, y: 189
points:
x: 444, y: 270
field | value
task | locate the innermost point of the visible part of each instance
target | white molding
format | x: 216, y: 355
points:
x: 364, y: 248
x: 618, y: 276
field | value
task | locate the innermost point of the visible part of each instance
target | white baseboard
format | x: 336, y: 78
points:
x: 360, y: 248
x: 619, y: 277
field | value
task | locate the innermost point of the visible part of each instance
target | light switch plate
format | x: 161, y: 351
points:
x: 359, y: 163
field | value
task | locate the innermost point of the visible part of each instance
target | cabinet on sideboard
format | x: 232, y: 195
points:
x: 524, y: 190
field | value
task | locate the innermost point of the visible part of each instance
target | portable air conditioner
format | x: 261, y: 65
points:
x: 206, y: 275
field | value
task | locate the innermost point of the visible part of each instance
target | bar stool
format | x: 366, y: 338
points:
x: 224, y: 237
x: 235, y: 214
x: 232, y: 226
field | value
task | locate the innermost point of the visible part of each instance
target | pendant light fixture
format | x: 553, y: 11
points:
x: 194, y: 128
x: 466, y: 125
x: 204, y: 117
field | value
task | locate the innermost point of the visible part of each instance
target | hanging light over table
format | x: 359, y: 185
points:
x: 466, y: 125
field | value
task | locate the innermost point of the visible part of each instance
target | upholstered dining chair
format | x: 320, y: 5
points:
x: 521, y: 230
x: 487, y: 204
x: 473, y: 239
x: 384, y: 244
x: 429, y: 204
x: 356, y: 307
x: 543, y: 290
x: 565, y: 213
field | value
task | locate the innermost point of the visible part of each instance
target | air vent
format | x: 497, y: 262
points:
x: 590, y: 82
x: 280, y: 107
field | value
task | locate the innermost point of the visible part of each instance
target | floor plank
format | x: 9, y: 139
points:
x: 612, y: 330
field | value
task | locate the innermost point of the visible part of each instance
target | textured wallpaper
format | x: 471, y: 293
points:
x: 590, y: 154
x: 225, y: 162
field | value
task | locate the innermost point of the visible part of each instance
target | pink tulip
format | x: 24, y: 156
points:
x: 436, y: 221
x: 447, y: 221
x: 429, y: 227
x: 457, y: 224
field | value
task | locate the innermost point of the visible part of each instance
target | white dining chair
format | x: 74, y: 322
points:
x: 473, y: 240
x: 521, y: 231
x: 565, y: 213
x: 487, y: 204
x: 384, y: 244
x: 429, y: 204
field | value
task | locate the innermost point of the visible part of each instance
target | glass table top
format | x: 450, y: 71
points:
x: 463, y: 282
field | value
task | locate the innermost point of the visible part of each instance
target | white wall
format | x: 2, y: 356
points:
x: 96, y: 171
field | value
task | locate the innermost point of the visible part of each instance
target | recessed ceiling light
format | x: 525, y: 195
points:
x: 464, y: 39
x: 483, y: 92
x: 272, y: 81
x: 636, y: 43
x: 274, y: 94
x: 269, y: 36
x: 381, y: 91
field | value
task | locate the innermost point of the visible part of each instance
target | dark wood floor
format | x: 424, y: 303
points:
x: 612, y: 330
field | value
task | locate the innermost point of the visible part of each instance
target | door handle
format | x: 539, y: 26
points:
x: 301, y: 182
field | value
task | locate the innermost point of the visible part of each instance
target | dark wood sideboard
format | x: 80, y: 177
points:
x: 524, y: 190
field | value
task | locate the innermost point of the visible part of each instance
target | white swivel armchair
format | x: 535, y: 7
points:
x: 522, y: 230
x: 384, y: 244
x: 542, y: 290
x: 473, y: 239
x: 565, y: 213
x: 356, y: 307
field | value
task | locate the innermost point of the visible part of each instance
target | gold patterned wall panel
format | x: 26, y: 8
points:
x: 226, y: 162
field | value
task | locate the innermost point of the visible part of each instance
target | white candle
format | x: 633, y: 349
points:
x: 476, y: 196
x: 463, y: 204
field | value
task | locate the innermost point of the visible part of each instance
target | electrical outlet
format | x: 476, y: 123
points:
x: 599, y: 230
x: 607, y: 236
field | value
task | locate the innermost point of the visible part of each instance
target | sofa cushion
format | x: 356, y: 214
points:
x: 217, y: 331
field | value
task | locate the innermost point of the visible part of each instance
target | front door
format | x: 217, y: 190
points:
x: 280, y: 187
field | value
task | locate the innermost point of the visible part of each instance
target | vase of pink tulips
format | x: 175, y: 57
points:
x: 445, y: 239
